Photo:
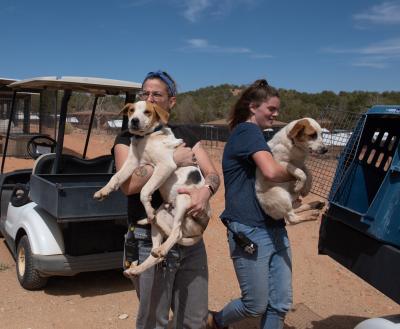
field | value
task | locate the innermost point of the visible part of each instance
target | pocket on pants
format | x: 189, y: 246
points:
x: 144, y: 249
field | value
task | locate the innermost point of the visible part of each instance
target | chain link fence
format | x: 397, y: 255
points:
x: 338, y: 126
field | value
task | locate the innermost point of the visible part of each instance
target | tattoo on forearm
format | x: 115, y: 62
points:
x: 140, y: 171
x: 213, y: 181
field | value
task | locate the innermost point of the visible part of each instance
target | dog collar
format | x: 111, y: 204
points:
x: 158, y: 128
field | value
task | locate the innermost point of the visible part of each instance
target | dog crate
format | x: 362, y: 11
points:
x: 366, y: 189
x: 361, y: 226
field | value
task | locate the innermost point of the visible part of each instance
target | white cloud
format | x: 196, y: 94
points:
x: 377, y: 55
x: 202, y: 45
x: 385, y: 13
x: 376, y: 63
x: 194, y: 8
x: 224, y: 7
x: 387, y: 47
x: 198, y: 43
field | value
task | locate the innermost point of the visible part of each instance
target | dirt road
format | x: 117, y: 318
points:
x: 326, y: 295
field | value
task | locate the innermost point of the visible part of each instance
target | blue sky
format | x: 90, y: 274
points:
x: 306, y: 45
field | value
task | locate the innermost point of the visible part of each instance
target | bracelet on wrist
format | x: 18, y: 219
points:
x: 210, y: 188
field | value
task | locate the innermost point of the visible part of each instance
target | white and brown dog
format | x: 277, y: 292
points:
x: 154, y: 145
x: 290, y: 147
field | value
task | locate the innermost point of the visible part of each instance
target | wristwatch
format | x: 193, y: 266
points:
x: 210, y: 188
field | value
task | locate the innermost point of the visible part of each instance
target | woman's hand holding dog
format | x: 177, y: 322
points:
x: 200, y: 197
x: 184, y: 156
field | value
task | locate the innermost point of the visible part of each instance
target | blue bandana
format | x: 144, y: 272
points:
x: 164, y: 78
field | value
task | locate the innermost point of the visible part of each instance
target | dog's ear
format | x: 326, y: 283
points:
x: 126, y: 108
x: 301, y: 126
x: 309, y: 129
x: 162, y: 114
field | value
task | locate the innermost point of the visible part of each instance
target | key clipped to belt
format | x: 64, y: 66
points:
x: 245, y: 243
x: 241, y: 239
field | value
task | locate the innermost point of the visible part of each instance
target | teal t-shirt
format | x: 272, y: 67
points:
x: 239, y: 169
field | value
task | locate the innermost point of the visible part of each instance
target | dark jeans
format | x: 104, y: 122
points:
x: 180, y: 283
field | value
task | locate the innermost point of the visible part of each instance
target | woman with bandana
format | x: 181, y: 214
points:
x: 180, y: 283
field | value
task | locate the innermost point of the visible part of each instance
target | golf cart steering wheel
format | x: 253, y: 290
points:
x: 40, y: 144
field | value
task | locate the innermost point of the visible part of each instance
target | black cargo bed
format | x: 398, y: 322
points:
x: 70, y: 197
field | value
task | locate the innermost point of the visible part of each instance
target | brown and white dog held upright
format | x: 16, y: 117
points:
x: 290, y: 147
x: 155, y: 144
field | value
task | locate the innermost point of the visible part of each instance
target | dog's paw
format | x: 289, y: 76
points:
x: 102, y: 194
x: 319, y: 204
x: 131, y: 273
x: 158, y: 252
x: 291, y: 221
x: 133, y: 270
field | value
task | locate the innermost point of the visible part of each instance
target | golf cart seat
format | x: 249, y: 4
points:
x: 70, y: 164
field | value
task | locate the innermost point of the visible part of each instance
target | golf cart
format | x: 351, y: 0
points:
x: 48, y: 217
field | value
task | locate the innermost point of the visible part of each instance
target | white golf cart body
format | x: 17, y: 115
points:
x: 52, y: 225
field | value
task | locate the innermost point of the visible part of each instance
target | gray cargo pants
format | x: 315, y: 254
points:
x: 180, y: 283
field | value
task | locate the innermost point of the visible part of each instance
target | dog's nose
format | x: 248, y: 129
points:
x: 134, y: 123
x: 324, y: 150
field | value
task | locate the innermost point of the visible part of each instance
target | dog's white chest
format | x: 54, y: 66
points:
x: 155, y: 147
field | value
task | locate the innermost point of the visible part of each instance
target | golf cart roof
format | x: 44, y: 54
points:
x: 84, y: 84
x: 6, y: 81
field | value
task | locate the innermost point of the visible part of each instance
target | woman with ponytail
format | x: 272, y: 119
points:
x: 264, y: 271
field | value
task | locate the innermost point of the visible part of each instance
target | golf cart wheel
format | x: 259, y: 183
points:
x: 28, y: 276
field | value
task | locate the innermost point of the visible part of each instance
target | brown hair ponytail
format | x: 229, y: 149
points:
x: 259, y: 91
